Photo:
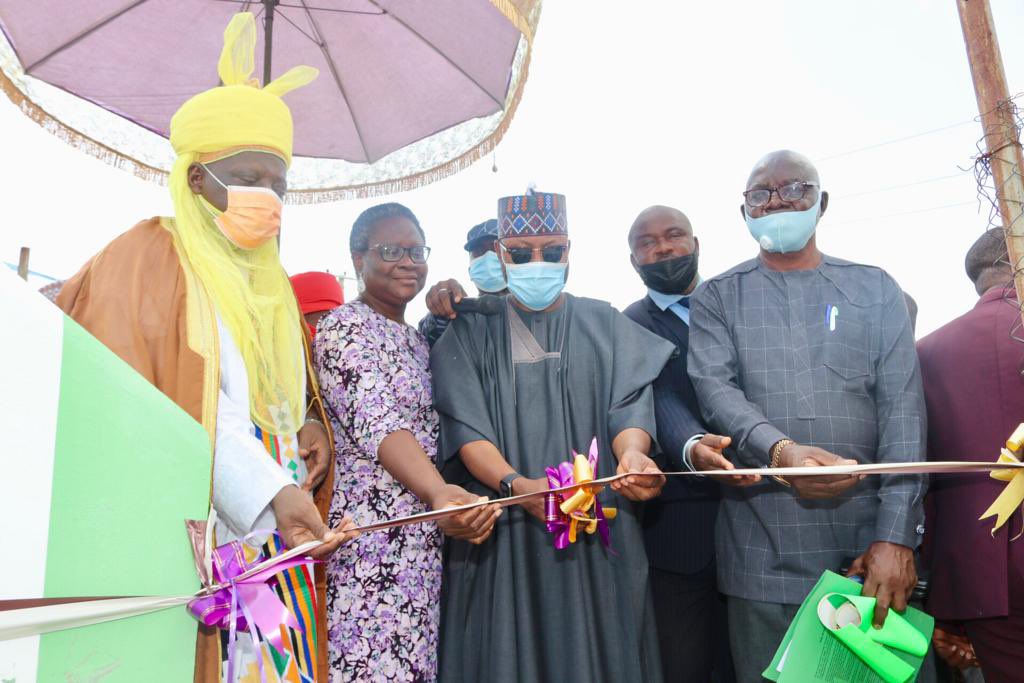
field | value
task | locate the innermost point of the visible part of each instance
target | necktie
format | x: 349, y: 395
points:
x: 682, y: 309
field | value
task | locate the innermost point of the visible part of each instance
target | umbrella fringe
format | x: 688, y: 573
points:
x: 78, y: 139
x: 112, y: 157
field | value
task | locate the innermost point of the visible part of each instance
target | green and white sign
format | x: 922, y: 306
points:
x: 98, y: 473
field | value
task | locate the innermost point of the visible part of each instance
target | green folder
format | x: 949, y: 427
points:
x: 809, y: 653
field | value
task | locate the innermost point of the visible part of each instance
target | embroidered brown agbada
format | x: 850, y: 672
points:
x: 137, y: 298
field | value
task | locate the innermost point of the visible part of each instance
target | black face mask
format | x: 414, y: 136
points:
x: 671, y: 276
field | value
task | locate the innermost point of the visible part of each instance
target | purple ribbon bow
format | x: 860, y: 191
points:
x: 564, y: 523
x: 237, y: 601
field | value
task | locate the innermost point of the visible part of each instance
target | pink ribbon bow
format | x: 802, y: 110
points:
x: 240, y: 601
x: 566, y: 512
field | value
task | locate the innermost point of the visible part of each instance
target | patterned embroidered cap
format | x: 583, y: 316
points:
x: 531, y: 214
x: 488, y: 230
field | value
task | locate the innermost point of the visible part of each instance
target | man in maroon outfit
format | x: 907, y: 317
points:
x: 974, y: 390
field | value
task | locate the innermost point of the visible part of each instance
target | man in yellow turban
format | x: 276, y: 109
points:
x: 200, y: 305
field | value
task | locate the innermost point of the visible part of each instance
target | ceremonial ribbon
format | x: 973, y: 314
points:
x: 569, y: 504
x: 242, y: 586
x: 21, y: 618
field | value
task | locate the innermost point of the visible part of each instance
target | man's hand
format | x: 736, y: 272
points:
x: 830, y: 486
x: 955, y: 650
x: 443, y: 296
x: 889, y: 576
x: 706, y: 454
x: 472, y: 525
x: 315, y: 449
x: 299, y: 522
x: 534, y: 506
x: 638, y: 488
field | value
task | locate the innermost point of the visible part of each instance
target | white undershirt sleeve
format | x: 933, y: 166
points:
x: 245, y: 477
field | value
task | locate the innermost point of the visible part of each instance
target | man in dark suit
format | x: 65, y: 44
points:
x: 974, y: 391
x: 679, y: 526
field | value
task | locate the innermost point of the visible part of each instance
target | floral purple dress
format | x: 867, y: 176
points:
x: 384, y: 588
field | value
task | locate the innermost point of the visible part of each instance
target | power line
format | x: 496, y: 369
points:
x: 903, y: 213
x: 894, y: 141
x: 899, y: 187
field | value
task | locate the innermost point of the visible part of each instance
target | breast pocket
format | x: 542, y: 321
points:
x: 846, y: 351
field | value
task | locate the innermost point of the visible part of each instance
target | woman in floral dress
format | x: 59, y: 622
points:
x: 384, y: 588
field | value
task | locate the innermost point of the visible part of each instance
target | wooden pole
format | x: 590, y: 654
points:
x: 997, y: 118
x: 23, y: 264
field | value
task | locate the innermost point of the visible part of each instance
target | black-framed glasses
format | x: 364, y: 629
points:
x: 791, y: 192
x: 394, y: 252
x: 552, y: 253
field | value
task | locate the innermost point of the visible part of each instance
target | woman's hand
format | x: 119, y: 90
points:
x: 470, y: 525
x: 443, y: 296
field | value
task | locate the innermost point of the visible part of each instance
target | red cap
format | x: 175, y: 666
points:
x: 317, y: 291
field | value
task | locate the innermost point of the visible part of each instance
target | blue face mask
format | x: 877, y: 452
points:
x: 536, y: 284
x: 784, y: 232
x: 485, y: 272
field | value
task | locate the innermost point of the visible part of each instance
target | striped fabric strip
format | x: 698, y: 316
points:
x: 295, y: 588
x: 271, y: 443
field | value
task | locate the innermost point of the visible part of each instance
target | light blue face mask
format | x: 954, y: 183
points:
x: 786, y: 231
x: 536, y: 284
x: 485, y: 272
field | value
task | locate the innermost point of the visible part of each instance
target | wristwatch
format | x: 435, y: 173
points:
x: 506, y: 484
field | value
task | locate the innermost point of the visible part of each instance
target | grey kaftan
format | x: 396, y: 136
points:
x: 537, y: 385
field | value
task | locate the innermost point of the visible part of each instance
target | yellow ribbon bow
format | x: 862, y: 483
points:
x: 578, y: 505
x: 564, y: 515
x: 1012, y: 496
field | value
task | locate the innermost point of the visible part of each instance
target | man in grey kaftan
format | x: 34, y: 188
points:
x: 805, y: 359
x: 534, y: 385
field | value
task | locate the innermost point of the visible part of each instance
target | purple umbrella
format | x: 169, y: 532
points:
x: 409, y: 90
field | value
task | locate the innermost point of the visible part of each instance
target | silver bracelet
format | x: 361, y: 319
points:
x: 687, y: 447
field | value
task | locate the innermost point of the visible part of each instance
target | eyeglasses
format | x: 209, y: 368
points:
x: 793, y: 192
x: 393, y: 252
x: 552, y: 253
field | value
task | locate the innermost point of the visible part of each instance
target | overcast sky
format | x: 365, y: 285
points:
x: 637, y: 103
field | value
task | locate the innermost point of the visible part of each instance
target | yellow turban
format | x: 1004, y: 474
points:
x: 239, y: 113
x: 249, y: 288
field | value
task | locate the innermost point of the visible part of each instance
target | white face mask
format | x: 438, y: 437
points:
x: 786, y: 231
x: 485, y: 272
x: 536, y: 284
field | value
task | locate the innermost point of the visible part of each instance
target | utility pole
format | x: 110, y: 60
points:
x: 1002, y: 139
x: 23, y: 263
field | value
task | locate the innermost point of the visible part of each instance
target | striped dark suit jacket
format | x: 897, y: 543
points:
x: 679, y: 526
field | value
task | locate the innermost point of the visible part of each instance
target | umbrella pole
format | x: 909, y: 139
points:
x: 268, y: 36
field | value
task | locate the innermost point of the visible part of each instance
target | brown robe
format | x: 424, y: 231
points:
x: 143, y: 302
